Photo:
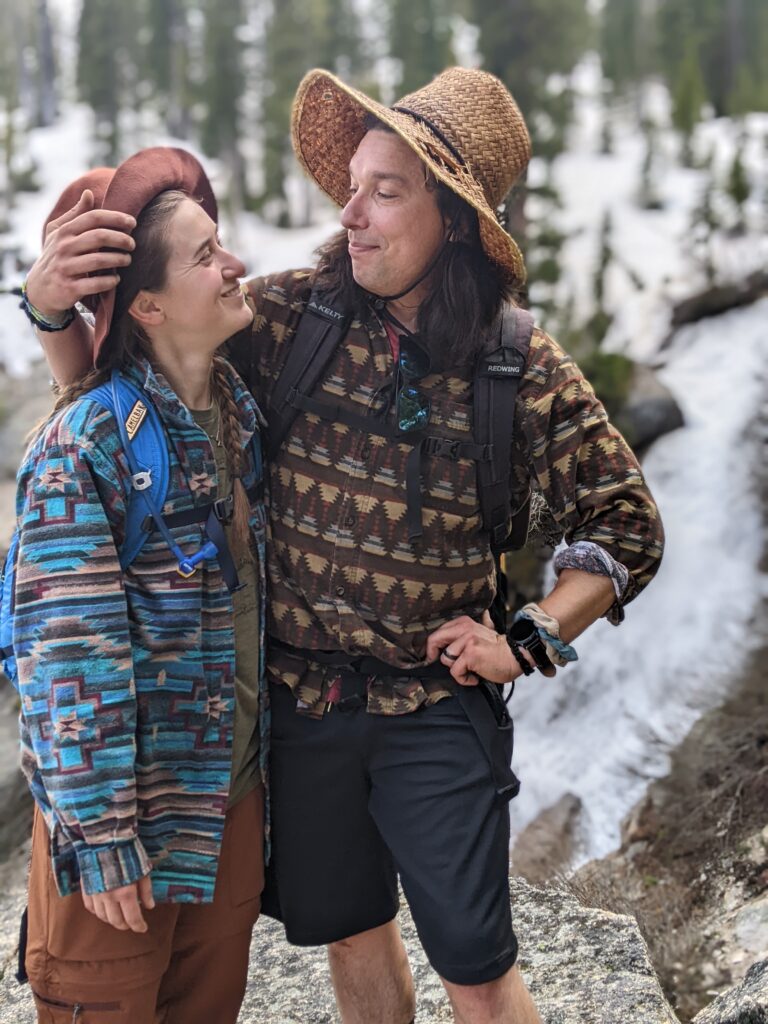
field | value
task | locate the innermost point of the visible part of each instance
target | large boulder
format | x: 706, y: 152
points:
x: 746, y: 1003
x: 583, y: 966
x: 650, y: 410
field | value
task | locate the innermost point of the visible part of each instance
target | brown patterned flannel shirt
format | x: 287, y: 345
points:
x: 342, y: 573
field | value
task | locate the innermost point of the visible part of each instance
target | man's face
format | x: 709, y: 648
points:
x: 393, y: 223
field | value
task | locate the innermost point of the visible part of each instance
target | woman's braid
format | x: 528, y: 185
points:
x: 231, y: 436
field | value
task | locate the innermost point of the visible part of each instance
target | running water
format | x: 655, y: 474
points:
x: 606, y: 726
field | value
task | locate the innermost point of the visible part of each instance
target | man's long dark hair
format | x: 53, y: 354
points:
x: 467, y: 288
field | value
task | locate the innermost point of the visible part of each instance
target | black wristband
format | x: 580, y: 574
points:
x: 525, y: 634
x: 37, y: 319
x: 523, y: 662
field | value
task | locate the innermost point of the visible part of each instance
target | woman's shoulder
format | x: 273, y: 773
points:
x: 84, y: 426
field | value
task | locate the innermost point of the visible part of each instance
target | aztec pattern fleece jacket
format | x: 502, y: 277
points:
x: 342, y: 573
x: 126, y: 680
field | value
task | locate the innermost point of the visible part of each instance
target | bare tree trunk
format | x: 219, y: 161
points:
x: 46, y: 95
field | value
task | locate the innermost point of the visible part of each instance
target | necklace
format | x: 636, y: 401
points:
x: 217, y: 437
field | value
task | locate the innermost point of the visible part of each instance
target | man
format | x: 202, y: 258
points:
x: 380, y: 567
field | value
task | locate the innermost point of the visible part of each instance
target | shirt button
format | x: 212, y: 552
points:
x: 340, y: 591
x: 350, y: 521
x: 365, y: 451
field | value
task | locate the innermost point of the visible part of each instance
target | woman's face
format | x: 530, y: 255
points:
x: 202, y: 303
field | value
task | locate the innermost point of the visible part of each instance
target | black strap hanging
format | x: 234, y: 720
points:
x: 497, y: 381
x: 317, y: 337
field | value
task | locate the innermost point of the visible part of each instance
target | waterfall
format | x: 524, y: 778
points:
x: 604, y: 727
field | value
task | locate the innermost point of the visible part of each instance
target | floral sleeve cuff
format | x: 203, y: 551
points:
x: 590, y: 557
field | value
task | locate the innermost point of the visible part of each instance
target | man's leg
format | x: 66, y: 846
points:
x: 333, y: 881
x: 371, y: 977
x: 435, y: 803
x: 503, y: 1001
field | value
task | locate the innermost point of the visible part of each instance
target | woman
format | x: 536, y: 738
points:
x: 143, y: 737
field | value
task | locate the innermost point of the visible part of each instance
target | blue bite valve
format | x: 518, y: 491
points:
x: 187, y: 566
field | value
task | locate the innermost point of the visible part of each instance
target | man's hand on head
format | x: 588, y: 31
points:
x: 74, y: 263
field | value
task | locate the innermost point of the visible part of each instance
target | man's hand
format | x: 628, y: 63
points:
x: 472, y: 649
x: 122, y: 907
x: 72, y: 263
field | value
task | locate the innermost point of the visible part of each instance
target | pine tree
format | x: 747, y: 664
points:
x: 604, y: 258
x: 105, y: 70
x: 688, y: 99
x: 745, y: 95
x: 18, y: 102
x: 648, y: 197
x: 300, y: 35
x: 46, y: 111
x: 523, y: 42
x: 730, y: 34
x: 167, y: 61
x: 738, y: 187
x: 703, y: 225
x: 627, y: 43
x: 286, y: 60
x: 420, y: 39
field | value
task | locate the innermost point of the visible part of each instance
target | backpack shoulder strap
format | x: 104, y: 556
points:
x: 7, y: 601
x: 143, y: 438
x: 497, y: 380
x: 320, y: 330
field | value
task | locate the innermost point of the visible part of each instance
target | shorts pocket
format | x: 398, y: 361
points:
x: 59, y: 1011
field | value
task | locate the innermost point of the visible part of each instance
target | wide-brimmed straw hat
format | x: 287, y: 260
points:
x: 128, y: 189
x: 464, y: 125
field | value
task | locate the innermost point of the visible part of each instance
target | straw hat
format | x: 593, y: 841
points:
x: 464, y: 125
x: 128, y: 189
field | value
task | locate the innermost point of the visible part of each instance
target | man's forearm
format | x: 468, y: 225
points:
x: 577, y: 600
x: 68, y: 352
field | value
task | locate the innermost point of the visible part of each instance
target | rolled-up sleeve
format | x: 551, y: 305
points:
x: 587, y: 473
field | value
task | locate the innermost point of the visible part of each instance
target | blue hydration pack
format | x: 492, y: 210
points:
x: 144, y: 441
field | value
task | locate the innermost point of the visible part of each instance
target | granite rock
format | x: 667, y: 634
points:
x: 745, y: 1003
x: 583, y: 966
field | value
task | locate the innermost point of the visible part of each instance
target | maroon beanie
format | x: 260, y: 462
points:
x: 128, y: 189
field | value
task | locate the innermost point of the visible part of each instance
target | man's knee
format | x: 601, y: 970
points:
x: 470, y: 955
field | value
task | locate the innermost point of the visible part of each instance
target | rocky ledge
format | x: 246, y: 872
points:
x: 584, y: 966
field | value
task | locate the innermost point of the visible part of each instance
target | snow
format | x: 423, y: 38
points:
x: 605, y: 726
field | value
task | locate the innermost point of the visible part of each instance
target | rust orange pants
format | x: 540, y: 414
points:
x: 189, y: 967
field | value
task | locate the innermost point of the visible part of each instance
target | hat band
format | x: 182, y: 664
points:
x: 434, y: 129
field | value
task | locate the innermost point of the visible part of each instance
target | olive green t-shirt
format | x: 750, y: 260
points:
x: 245, y: 739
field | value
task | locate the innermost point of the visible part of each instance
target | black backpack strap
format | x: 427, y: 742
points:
x: 497, y: 380
x: 321, y: 328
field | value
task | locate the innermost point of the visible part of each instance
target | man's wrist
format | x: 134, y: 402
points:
x: 43, y: 320
x: 524, y: 636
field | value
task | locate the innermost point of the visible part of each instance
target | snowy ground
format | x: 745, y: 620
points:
x: 605, y: 727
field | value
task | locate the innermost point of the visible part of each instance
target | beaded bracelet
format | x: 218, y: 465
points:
x: 40, y: 320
